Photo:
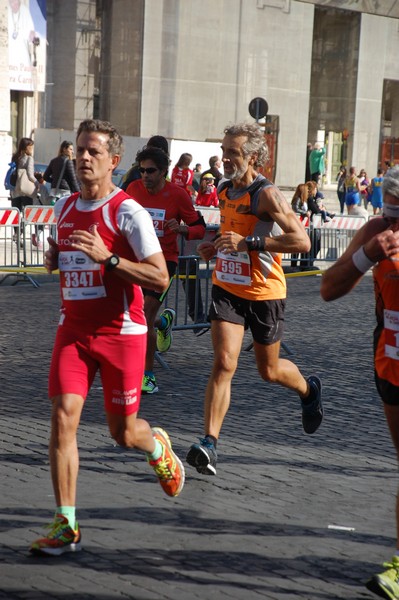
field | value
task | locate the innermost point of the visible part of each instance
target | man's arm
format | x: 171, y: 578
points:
x: 371, y: 244
x: 193, y: 226
x: 273, y: 205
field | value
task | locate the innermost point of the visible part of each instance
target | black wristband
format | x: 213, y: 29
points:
x: 255, y: 243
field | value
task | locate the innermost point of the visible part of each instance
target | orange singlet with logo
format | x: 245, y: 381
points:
x: 250, y: 275
x: 386, y: 288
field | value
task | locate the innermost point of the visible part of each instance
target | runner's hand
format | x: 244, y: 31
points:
x: 51, y: 255
x: 206, y: 250
x: 230, y: 242
x: 382, y: 245
x: 91, y: 243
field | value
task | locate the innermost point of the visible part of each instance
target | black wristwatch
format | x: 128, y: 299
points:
x: 250, y: 242
x: 255, y: 243
x: 112, y: 262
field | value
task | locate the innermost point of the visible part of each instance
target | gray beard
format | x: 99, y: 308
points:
x: 236, y: 174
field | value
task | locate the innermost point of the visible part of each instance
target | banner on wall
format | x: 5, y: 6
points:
x: 27, y: 41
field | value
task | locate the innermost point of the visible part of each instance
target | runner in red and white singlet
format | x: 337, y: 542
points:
x: 106, y: 250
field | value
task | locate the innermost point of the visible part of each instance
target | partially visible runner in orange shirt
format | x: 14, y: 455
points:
x: 376, y: 246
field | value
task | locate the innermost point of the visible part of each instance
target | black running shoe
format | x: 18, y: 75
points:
x: 312, y: 413
x: 203, y: 457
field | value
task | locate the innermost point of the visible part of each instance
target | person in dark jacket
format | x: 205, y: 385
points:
x: 61, y: 172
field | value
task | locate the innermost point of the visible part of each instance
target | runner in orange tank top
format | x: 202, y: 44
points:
x: 376, y: 245
x: 249, y: 289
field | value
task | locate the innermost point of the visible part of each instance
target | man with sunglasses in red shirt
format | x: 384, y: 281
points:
x: 172, y: 214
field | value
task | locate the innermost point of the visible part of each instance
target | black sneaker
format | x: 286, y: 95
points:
x: 203, y: 457
x: 312, y: 413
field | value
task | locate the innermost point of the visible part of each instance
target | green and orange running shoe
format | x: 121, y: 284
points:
x: 386, y: 584
x: 61, y: 538
x: 168, y: 468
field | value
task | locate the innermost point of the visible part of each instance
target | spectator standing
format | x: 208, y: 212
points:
x: 299, y: 205
x: 249, y: 287
x: 43, y: 199
x: 207, y: 194
x: 105, y: 254
x: 172, y: 214
x: 308, y: 174
x: 197, y: 176
x: 316, y: 162
x: 182, y: 175
x: 214, y: 165
x: 27, y: 184
x: 353, y: 190
x: 376, y: 245
x: 364, y: 188
x: 376, y: 192
x: 341, y: 189
x: 61, y: 174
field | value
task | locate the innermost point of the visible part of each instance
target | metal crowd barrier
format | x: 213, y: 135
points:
x: 10, y: 237
x: 23, y: 241
x: 38, y: 224
x: 329, y: 240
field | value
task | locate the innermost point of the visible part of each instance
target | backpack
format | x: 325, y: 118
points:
x: 10, y: 180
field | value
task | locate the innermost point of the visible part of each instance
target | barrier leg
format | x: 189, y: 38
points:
x: 162, y: 362
x: 25, y: 278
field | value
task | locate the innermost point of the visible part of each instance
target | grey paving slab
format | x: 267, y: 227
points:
x: 260, y: 528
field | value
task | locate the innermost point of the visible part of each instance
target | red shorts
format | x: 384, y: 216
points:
x: 120, y: 359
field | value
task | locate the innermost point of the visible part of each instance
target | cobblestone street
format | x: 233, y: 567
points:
x: 262, y: 527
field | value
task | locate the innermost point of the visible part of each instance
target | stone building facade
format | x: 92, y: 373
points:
x: 184, y: 69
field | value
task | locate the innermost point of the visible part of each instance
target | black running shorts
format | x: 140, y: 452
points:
x: 265, y: 318
x: 388, y: 392
x: 172, y: 266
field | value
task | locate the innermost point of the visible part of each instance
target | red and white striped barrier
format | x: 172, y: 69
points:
x: 345, y: 222
x: 211, y: 215
x: 42, y: 215
x: 9, y: 216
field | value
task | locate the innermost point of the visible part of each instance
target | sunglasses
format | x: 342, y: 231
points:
x: 149, y: 170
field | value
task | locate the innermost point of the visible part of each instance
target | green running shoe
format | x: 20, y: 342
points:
x: 164, y: 336
x: 386, y: 584
x: 149, y: 385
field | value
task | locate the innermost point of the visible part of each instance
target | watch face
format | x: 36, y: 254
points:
x: 113, y: 262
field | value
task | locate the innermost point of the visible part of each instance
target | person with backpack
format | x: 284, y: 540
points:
x: 249, y: 286
x: 26, y: 184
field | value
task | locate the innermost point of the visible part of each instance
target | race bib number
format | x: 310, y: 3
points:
x: 80, y: 276
x: 391, y: 326
x: 158, y: 219
x: 233, y: 268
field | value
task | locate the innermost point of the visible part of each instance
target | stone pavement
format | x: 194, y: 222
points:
x: 260, y: 528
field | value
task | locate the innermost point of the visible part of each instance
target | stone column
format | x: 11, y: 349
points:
x: 5, y: 138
